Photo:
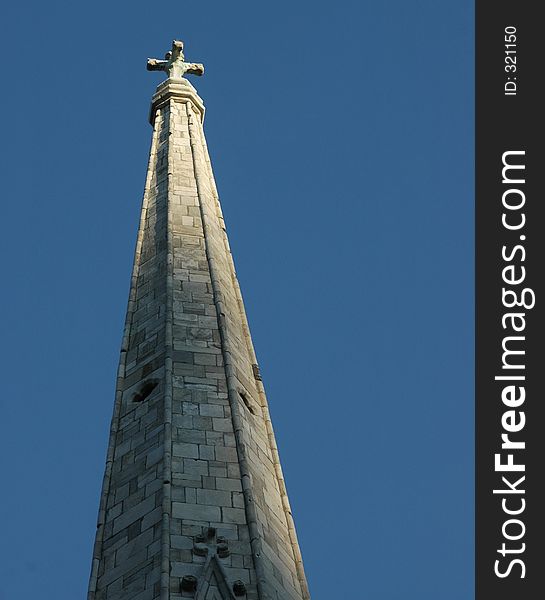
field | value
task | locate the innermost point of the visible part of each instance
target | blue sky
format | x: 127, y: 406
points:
x: 341, y: 136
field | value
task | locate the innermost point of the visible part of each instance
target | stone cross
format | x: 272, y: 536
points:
x: 174, y: 63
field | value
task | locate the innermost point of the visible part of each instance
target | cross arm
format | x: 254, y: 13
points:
x: 195, y: 68
x: 155, y: 64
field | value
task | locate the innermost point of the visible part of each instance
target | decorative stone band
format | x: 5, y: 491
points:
x: 178, y: 89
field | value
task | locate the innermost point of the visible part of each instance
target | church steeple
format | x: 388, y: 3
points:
x: 193, y: 502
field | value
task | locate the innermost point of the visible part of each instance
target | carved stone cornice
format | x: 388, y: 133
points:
x: 179, y: 89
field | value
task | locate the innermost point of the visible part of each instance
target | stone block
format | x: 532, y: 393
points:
x: 233, y: 515
x: 232, y: 485
x: 214, y: 497
x: 136, y: 512
x: 185, y: 450
x: 226, y: 454
x: 211, y: 410
x: 196, y: 512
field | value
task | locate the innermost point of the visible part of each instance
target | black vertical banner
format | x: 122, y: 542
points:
x: 510, y: 301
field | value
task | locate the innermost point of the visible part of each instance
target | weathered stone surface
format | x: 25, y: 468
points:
x: 191, y: 426
x: 174, y: 63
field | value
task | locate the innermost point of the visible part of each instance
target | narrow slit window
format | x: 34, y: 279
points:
x: 146, y: 389
x: 247, y: 402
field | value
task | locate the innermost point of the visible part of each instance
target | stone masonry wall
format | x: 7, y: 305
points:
x: 279, y: 552
x: 129, y: 548
x: 206, y: 480
x: 192, y: 450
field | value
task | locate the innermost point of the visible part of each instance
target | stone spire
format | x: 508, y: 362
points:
x: 193, y: 502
